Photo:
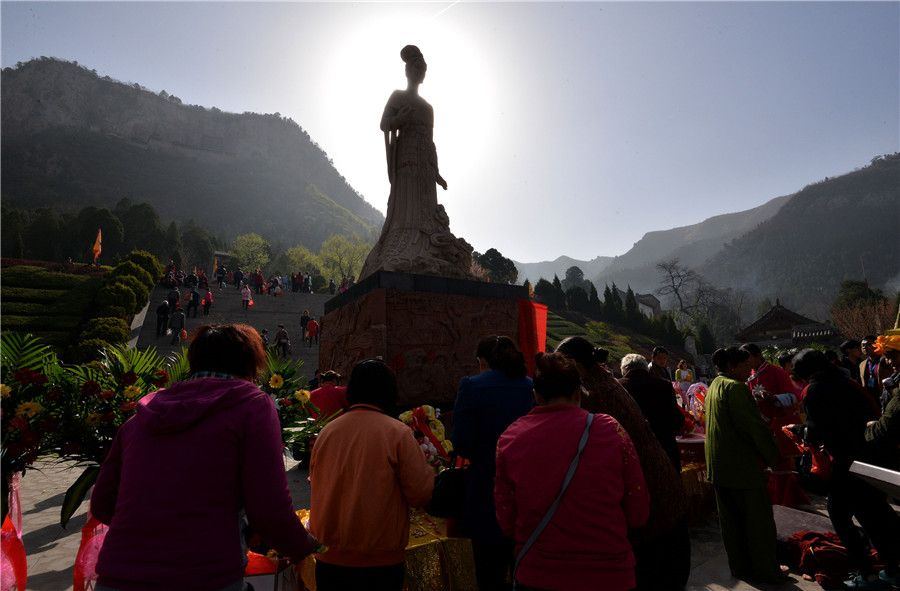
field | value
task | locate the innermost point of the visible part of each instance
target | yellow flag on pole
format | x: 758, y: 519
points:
x: 97, y: 248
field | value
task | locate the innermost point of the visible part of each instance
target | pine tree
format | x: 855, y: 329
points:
x: 595, y: 306
x: 633, y: 316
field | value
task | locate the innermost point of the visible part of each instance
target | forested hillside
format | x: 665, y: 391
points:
x: 70, y: 139
x: 841, y: 228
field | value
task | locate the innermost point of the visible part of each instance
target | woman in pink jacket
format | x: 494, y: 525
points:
x: 585, y: 544
x: 198, y: 461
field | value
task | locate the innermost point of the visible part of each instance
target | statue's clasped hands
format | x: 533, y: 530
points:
x: 403, y: 116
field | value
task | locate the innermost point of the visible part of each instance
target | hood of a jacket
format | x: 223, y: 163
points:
x: 179, y: 407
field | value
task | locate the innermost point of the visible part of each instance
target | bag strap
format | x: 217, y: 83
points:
x: 546, y: 520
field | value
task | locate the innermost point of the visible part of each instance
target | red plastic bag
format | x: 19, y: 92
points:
x: 183, y: 334
x: 92, y: 536
x: 821, y: 461
x: 250, y: 303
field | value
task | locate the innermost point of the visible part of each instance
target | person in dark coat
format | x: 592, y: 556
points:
x: 486, y: 404
x: 162, y: 318
x: 656, y: 398
x: 177, y: 324
x: 174, y: 299
x: 837, y: 415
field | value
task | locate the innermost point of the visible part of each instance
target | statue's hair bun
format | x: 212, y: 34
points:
x: 410, y: 52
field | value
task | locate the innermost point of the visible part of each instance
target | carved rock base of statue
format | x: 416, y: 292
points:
x: 431, y: 249
x: 426, y: 328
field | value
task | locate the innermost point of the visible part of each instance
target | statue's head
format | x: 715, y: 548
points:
x: 415, y: 63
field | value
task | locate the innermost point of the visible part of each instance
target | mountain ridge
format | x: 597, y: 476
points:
x: 796, y: 248
x: 57, y: 115
x: 684, y: 242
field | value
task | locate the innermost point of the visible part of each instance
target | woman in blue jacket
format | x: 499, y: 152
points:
x: 486, y: 405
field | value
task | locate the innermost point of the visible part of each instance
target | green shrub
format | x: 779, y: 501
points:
x: 86, y: 351
x: 141, y: 293
x: 147, y: 262
x: 79, y: 301
x: 39, y: 278
x: 29, y: 295
x: 129, y: 268
x: 30, y: 323
x: 116, y: 294
x: 110, y: 312
x: 54, y: 338
x: 111, y: 330
x: 31, y: 309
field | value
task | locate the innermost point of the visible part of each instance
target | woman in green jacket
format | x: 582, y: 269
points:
x: 737, y: 440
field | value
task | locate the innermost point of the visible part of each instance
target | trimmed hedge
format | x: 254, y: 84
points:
x: 147, y: 262
x: 141, y: 293
x: 54, y: 338
x: 130, y: 268
x: 29, y: 295
x: 81, y: 299
x: 32, y: 323
x: 32, y: 309
x: 87, y: 351
x: 111, y: 330
x: 39, y: 278
x: 116, y: 295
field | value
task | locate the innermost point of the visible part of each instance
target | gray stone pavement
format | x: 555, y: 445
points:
x: 267, y: 313
x: 51, y: 550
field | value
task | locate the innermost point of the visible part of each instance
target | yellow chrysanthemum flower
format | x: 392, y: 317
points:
x: 406, y: 417
x: 437, y: 428
x: 132, y: 392
x: 429, y: 411
x: 448, y: 447
x: 302, y: 396
x: 276, y: 381
x: 28, y: 409
x: 94, y: 419
x: 4, y: 391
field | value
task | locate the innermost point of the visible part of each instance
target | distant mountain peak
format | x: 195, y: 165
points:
x: 71, y: 137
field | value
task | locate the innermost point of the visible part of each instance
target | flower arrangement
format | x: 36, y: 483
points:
x: 72, y: 412
x: 887, y: 341
x: 68, y: 412
x: 281, y: 382
x: 429, y: 432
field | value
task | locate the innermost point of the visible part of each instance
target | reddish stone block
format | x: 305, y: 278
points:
x: 426, y: 328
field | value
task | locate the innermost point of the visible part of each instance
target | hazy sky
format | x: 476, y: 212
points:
x: 562, y: 128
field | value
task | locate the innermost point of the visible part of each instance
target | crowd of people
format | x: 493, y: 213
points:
x: 852, y: 413
x: 573, y: 474
x: 171, y: 314
x: 276, y: 283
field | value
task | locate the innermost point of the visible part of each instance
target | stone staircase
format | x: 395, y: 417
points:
x: 267, y: 313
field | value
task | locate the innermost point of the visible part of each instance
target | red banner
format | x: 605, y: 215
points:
x: 532, y: 331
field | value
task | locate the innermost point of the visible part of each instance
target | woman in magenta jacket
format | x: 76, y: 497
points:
x: 185, y: 474
x: 585, y: 543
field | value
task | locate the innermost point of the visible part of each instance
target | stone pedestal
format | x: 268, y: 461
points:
x: 426, y: 328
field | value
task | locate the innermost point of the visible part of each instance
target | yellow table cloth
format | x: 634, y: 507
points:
x: 434, y: 561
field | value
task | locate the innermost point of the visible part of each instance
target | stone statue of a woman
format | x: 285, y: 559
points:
x: 416, y: 236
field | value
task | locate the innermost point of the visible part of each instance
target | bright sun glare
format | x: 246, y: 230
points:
x: 365, y: 70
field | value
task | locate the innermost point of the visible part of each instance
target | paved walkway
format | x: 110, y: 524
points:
x: 267, y: 313
x: 51, y: 550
